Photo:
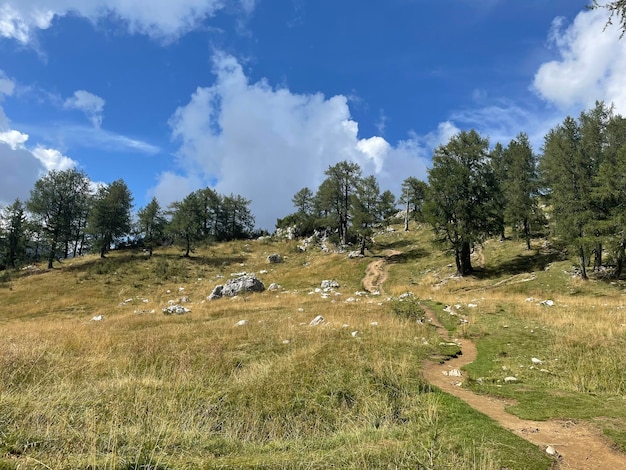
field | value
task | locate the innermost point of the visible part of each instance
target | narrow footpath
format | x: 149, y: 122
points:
x: 575, y: 445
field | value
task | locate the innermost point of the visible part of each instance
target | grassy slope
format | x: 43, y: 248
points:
x: 580, y: 339
x: 195, y: 391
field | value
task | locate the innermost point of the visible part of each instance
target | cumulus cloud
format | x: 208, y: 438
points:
x: 157, y: 18
x: 591, y: 64
x: 90, y: 104
x: 266, y: 143
x: 22, y: 166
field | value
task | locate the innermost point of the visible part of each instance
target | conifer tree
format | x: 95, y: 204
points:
x: 461, y: 206
x: 110, y: 219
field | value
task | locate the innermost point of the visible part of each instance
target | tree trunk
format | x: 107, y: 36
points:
x: 53, y: 249
x: 406, y: 217
x: 619, y: 265
x: 583, y: 268
x: 457, y: 260
x: 466, y: 262
x: 362, y: 252
x: 527, y: 233
x: 188, y: 248
x: 597, y: 260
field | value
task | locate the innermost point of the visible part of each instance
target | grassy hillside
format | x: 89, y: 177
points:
x: 147, y: 390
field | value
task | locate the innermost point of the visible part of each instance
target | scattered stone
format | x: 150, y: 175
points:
x: 98, y: 318
x: 551, y: 451
x: 175, y: 310
x: 318, y: 320
x: 274, y: 258
x: 263, y: 271
x: 286, y: 341
x: 534, y: 360
x: 184, y: 300
x: 242, y: 323
x: 374, y: 323
x: 355, y: 254
x: 144, y: 312
x: 355, y: 334
x: 547, y: 303
x: 510, y: 379
x: 274, y: 287
x: 329, y: 284
x: 453, y: 373
x: 350, y: 299
x: 472, y: 305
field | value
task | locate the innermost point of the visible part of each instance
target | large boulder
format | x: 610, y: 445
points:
x: 241, y: 285
x: 217, y: 292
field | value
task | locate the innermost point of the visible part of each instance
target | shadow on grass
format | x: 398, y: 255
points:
x: 117, y: 260
x: 520, y: 264
x: 408, y: 256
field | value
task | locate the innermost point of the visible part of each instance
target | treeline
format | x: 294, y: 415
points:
x: 575, y: 190
x: 66, y: 216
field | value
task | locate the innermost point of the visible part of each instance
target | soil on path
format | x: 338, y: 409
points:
x: 376, y: 274
x: 577, y: 445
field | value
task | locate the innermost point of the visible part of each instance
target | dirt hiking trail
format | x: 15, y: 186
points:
x: 575, y: 445
x: 376, y: 274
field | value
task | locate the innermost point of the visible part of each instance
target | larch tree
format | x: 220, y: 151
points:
x: 413, y: 194
x: 151, y: 223
x: 14, y: 234
x: 57, y: 202
x: 460, y: 204
x: 343, y: 180
x: 110, y: 217
x: 521, y: 188
x: 567, y: 178
x: 185, y: 225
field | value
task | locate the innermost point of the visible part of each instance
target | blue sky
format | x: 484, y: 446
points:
x: 259, y: 97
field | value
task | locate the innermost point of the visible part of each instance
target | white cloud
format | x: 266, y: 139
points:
x: 20, y: 170
x: 173, y: 187
x: 165, y: 19
x: 267, y: 143
x: 52, y: 159
x: 90, y: 104
x: 591, y: 64
x: 22, y: 166
x: 13, y: 138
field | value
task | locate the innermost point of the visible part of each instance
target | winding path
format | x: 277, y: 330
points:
x: 575, y: 445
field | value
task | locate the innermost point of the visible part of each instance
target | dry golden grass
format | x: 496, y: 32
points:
x: 196, y: 391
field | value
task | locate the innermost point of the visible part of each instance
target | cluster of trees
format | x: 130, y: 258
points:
x: 65, y: 217
x: 578, y: 182
x: 345, y: 203
x: 576, y: 188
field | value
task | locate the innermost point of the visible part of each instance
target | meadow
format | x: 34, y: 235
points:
x: 143, y: 390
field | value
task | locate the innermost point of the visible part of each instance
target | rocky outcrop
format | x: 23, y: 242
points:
x: 236, y: 286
